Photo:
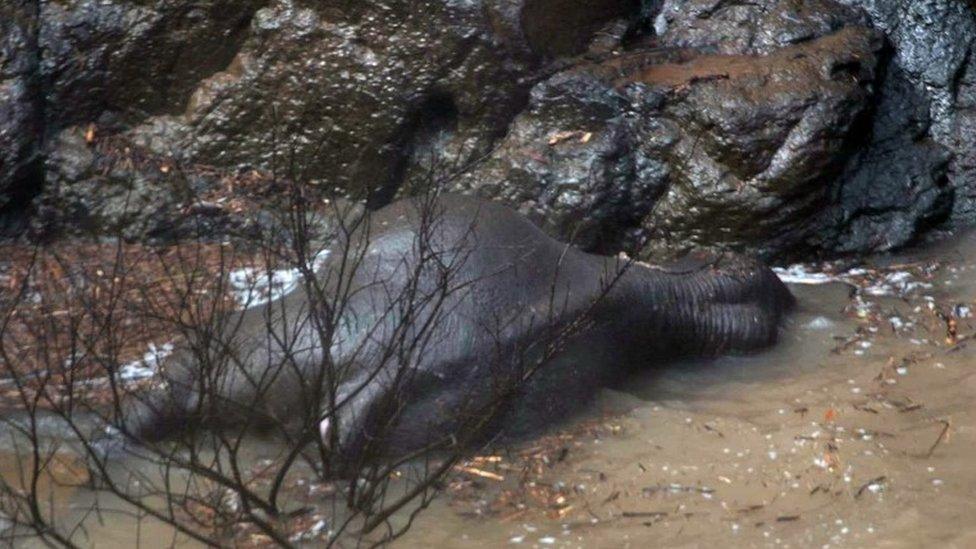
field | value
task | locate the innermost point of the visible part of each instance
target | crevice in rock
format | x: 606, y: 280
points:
x: 16, y: 214
x: 421, y: 142
x: 29, y: 179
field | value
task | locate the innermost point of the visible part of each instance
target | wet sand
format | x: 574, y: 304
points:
x: 857, y: 430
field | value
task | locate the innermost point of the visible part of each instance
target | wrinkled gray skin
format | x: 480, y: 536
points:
x: 509, y: 278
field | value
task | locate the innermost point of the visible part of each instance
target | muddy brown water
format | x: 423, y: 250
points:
x: 857, y: 430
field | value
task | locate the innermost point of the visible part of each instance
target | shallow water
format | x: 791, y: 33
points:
x: 836, y: 437
x: 800, y: 446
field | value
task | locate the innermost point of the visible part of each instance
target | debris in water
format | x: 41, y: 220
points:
x: 148, y: 365
x: 874, y: 486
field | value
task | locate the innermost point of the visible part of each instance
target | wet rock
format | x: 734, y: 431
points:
x: 88, y: 191
x: 896, y: 185
x: 20, y: 124
x: 357, y: 95
x: 687, y: 150
x: 133, y: 58
x: 760, y: 27
x: 920, y: 134
x: 113, y: 187
x: 933, y: 43
x: 584, y: 160
x: 769, y: 125
x: 762, y: 141
x: 342, y: 91
x: 565, y: 27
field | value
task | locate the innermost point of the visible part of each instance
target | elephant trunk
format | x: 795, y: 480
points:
x: 705, y: 308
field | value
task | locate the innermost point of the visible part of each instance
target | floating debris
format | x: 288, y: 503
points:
x: 148, y: 365
x: 254, y: 287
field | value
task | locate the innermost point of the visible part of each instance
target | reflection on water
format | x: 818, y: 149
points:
x: 837, y: 437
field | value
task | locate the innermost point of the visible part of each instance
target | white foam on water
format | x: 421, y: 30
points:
x: 896, y: 283
x: 800, y: 274
x: 254, y: 287
x: 148, y: 365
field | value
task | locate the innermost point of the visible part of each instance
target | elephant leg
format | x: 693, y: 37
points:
x: 350, y: 431
x: 156, y: 415
x: 424, y: 411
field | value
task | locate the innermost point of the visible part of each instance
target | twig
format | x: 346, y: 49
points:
x: 873, y: 482
x: 942, y: 436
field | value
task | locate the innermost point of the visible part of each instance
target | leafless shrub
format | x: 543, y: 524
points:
x: 75, y: 317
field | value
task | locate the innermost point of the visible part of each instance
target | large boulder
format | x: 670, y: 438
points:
x: 916, y: 164
x: 896, y: 186
x: 667, y: 152
x: 762, y: 141
x: 584, y: 160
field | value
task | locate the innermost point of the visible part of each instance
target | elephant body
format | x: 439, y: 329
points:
x: 455, y: 314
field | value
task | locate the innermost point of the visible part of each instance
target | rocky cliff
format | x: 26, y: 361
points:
x: 770, y: 126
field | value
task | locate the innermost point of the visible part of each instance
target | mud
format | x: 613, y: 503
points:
x: 857, y: 430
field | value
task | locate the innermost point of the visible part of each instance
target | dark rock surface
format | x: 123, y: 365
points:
x: 354, y: 90
x: 896, y: 185
x: 933, y: 42
x: 653, y: 126
x: 20, y: 123
x: 344, y: 90
x: 914, y: 162
x: 717, y: 151
x: 584, y: 160
x: 755, y: 27
x: 134, y: 59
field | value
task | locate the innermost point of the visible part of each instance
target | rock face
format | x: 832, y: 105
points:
x: 770, y: 126
x: 133, y: 59
x: 933, y: 53
x: 728, y: 151
x: 355, y: 91
x: 20, y: 124
x: 783, y: 126
x: 739, y: 28
x: 585, y: 160
x: 915, y: 162
x: 344, y: 90
x: 761, y: 143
